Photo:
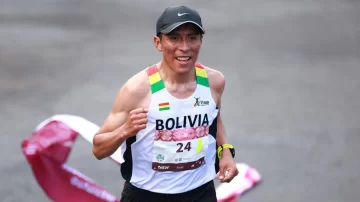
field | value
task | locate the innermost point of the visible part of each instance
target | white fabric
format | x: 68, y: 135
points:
x: 183, y: 112
x: 84, y: 127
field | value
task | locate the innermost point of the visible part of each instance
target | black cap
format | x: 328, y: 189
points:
x: 174, y: 16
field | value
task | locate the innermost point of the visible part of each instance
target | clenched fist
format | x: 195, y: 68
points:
x: 136, y: 121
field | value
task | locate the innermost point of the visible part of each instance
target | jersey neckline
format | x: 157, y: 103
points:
x: 157, y: 83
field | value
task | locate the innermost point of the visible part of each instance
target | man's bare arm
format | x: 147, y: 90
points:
x: 221, y: 134
x: 124, y: 120
x: 227, y: 166
x: 217, y: 83
x: 111, y: 134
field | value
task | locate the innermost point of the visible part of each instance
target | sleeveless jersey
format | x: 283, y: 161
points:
x: 176, y: 152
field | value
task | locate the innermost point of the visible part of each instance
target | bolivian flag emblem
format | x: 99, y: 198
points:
x: 164, y: 106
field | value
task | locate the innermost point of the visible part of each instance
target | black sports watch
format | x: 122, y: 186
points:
x: 225, y: 146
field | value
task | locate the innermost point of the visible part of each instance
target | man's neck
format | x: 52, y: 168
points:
x: 174, y: 78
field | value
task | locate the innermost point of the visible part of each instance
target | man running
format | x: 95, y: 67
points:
x: 166, y: 120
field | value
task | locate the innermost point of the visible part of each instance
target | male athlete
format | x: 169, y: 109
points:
x: 166, y: 120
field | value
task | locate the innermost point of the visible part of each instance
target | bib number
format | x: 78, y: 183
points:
x: 181, y: 145
x: 179, y: 155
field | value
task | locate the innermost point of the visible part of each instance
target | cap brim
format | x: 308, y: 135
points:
x: 170, y: 28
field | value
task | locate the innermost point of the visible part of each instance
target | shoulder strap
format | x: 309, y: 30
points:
x: 201, y: 75
x: 157, y: 84
x: 154, y: 79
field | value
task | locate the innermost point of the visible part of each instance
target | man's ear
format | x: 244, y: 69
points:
x: 157, y: 43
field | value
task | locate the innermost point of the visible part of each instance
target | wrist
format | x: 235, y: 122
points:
x: 225, y: 150
x: 121, y: 132
x: 226, y: 153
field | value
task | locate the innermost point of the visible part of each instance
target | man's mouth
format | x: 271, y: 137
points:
x: 183, y: 58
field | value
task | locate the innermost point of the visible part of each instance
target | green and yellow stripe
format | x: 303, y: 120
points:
x: 201, y: 76
x: 155, y: 80
x: 157, y: 84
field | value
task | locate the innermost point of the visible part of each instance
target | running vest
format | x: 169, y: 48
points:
x: 176, y: 151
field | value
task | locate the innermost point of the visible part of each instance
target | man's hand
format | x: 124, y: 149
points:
x: 228, y: 169
x: 135, y: 122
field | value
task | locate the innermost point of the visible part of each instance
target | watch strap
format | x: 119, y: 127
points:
x: 222, y: 147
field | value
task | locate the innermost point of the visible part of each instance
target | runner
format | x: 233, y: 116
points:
x: 166, y: 119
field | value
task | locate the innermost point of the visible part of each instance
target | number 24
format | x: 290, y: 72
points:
x: 187, y: 147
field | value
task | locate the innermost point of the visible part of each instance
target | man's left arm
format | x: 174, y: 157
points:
x: 227, y: 165
x: 221, y: 134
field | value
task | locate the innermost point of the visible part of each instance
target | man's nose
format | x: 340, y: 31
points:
x: 184, y: 45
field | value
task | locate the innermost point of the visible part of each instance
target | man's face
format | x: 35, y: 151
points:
x: 180, y: 47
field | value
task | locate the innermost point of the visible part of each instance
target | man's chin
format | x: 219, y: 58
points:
x: 184, y: 68
x: 181, y: 66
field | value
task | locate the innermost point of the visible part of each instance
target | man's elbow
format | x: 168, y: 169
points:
x: 96, y: 152
x: 95, y: 148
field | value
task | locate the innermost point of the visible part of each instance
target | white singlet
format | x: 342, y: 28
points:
x: 176, y: 151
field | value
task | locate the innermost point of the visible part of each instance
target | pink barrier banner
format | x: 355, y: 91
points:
x: 49, y: 146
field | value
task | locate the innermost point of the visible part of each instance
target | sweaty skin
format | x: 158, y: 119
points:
x: 120, y: 124
x: 128, y: 114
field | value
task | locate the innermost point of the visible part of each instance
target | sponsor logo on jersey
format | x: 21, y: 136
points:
x: 200, y: 102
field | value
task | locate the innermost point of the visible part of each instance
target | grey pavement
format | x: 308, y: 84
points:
x: 291, y: 105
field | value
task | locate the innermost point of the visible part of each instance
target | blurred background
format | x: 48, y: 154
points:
x: 291, y: 105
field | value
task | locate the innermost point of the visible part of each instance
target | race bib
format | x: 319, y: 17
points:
x: 181, y: 149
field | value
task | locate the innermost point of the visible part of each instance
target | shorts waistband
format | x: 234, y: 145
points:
x: 150, y: 193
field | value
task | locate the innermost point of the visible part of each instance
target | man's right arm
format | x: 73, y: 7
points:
x: 124, y: 120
